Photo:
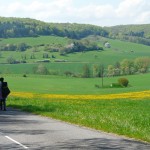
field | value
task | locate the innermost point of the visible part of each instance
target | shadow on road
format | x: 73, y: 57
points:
x: 77, y: 144
x: 96, y: 144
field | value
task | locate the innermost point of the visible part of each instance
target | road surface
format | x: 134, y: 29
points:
x: 20, y: 130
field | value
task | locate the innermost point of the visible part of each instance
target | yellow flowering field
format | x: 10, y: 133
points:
x: 130, y: 95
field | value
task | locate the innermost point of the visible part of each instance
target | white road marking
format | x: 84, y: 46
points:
x: 25, y: 147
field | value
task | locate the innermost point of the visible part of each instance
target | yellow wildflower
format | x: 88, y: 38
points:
x: 133, y: 95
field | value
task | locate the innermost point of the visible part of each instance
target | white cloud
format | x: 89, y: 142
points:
x: 126, y: 12
x: 135, y: 11
x: 129, y: 8
x: 143, y: 18
x: 97, y: 12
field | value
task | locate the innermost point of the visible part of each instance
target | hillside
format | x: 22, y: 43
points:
x: 142, y: 30
x: 132, y: 33
x: 26, y: 27
x: 73, y: 62
x: 118, y: 51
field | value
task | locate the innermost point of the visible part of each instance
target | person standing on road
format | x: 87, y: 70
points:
x: 4, y: 92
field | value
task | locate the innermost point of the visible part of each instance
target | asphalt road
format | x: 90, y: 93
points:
x: 20, y: 130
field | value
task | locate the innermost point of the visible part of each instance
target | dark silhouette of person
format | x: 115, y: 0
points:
x: 4, y: 91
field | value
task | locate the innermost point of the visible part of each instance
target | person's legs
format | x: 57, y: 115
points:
x: 4, y: 104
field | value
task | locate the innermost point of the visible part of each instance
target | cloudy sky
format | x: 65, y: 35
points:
x: 98, y: 12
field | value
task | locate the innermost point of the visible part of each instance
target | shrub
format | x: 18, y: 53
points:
x: 86, y: 71
x: 41, y: 69
x: 68, y: 73
x: 53, y: 72
x: 25, y: 75
x: 123, y: 82
x: 97, y: 86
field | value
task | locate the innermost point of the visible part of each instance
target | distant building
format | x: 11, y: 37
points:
x: 107, y: 45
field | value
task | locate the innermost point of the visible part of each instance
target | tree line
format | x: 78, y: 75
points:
x: 26, y: 27
x: 125, y: 67
x: 14, y: 47
x: 132, y: 33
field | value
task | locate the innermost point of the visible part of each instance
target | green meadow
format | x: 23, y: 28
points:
x: 119, y: 50
x: 70, y: 85
x: 36, y: 41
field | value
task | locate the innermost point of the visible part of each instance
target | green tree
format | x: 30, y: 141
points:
x: 41, y: 69
x: 45, y: 55
x: 11, y: 60
x: 86, y: 71
x: 96, y: 71
x: 142, y: 64
x: 32, y: 56
x: 127, y: 67
x: 22, y: 46
x: 110, y: 71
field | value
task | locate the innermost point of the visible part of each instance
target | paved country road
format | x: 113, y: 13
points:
x: 20, y: 130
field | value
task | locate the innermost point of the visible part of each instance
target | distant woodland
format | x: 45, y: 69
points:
x: 26, y: 27
x: 18, y: 27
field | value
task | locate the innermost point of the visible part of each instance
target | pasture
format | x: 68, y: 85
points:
x: 35, y: 41
x: 119, y: 50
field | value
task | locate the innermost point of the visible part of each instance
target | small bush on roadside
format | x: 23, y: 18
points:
x: 123, y: 82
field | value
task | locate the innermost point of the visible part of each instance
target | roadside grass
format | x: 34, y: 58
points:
x: 122, y: 116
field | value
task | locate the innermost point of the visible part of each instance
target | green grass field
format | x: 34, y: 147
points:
x: 34, y: 41
x: 65, y: 85
x: 119, y: 50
